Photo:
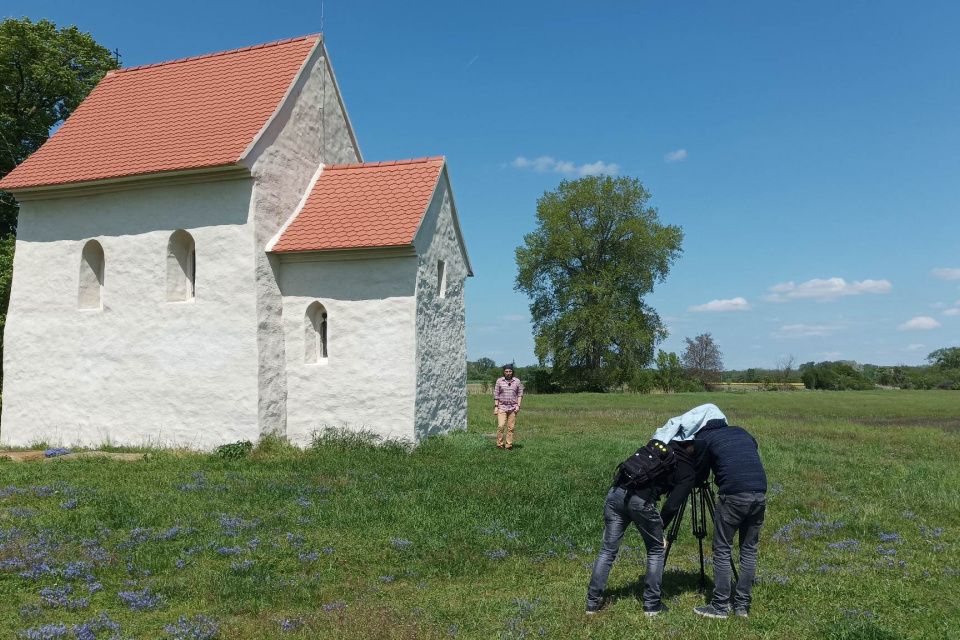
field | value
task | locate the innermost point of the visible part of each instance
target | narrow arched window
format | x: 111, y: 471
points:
x: 315, y: 334
x: 441, y: 279
x: 181, y: 267
x: 90, y: 294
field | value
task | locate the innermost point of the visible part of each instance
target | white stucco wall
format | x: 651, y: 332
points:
x: 141, y: 369
x: 441, y: 360
x: 310, y: 129
x: 367, y: 382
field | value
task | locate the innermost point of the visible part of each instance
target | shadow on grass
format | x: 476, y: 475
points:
x: 675, y: 583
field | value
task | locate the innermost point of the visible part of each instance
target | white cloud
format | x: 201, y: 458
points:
x: 676, y: 156
x: 914, y: 347
x: 735, y: 304
x: 952, y: 312
x: 543, y: 164
x: 803, y: 331
x: 919, y: 323
x: 947, y: 274
x: 938, y: 305
x: 830, y: 355
x: 825, y: 290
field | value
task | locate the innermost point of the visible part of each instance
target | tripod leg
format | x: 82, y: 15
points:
x: 674, y: 530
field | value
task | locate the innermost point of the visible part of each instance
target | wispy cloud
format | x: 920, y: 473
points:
x: 952, y: 312
x: 830, y: 355
x: 946, y: 274
x: 914, y: 347
x: 472, y: 60
x: 676, y: 156
x: 920, y: 323
x: 825, y: 290
x: 543, y: 164
x: 734, y: 304
x: 804, y: 330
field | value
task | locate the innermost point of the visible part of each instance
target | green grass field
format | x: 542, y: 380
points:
x: 458, y: 539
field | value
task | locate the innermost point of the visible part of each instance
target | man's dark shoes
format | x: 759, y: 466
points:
x: 594, y: 608
x: 741, y: 613
x: 707, y: 611
x: 660, y: 608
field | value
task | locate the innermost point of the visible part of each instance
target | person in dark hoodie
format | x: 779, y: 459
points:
x: 639, y: 506
x: 734, y: 457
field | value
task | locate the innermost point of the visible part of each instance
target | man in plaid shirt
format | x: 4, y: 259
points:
x: 507, y: 396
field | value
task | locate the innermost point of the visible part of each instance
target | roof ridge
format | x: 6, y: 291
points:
x: 385, y: 163
x: 214, y: 54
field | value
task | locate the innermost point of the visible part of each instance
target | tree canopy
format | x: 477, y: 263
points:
x: 598, y: 249
x: 946, y: 358
x: 45, y: 73
x: 702, y: 359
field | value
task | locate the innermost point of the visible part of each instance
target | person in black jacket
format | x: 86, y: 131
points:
x: 734, y: 457
x: 639, y: 506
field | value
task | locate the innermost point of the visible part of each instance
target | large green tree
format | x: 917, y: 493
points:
x: 45, y: 72
x: 946, y: 358
x: 598, y: 249
x: 702, y: 359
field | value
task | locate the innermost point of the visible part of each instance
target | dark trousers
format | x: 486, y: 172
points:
x: 619, y: 510
x: 736, y: 513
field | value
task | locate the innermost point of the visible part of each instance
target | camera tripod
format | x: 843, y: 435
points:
x: 701, y: 500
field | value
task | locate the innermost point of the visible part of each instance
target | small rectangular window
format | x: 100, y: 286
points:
x: 441, y: 279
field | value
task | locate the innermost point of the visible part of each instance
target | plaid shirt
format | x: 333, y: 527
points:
x: 506, y: 393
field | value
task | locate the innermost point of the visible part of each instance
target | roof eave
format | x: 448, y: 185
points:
x: 125, y: 183
x: 347, y: 253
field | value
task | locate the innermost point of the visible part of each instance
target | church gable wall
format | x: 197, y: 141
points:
x: 311, y: 128
x: 441, y: 357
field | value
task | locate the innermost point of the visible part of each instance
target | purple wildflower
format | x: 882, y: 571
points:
x: 56, y: 452
x: 200, y: 628
x: 229, y: 551
x: 240, y: 567
x: 400, y: 543
x: 289, y: 624
x: 141, y: 600
x: 69, y: 504
x: 496, y: 555
x: 887, y: 537
x: 334, y: 606
x: 46, y: 632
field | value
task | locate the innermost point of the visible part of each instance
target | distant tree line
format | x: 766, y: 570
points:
x: 673, y: 373
x: 697, y: 369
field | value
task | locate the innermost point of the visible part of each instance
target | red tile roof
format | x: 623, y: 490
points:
x: 370, y: 204
x: 197, y: 112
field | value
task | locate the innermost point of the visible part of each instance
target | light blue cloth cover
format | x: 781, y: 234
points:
x: 686, y: 426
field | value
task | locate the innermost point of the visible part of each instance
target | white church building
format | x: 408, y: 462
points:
x: 203, y: 257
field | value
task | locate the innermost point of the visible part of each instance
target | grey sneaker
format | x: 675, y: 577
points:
x: 707, y: 611
x: 661, y: 608
x: 741, y: 613
x: 592, y: 609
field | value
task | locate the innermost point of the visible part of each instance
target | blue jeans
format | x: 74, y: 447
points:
x: 618, y: 513
x: 743, y: 513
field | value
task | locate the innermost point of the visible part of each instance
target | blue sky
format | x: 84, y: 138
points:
x: 809, y: 150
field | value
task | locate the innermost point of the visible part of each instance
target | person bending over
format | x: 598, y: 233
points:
x: 639, y: 506
x: 734, y: 457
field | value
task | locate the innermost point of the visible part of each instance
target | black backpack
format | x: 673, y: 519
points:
x: 651, y: 461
